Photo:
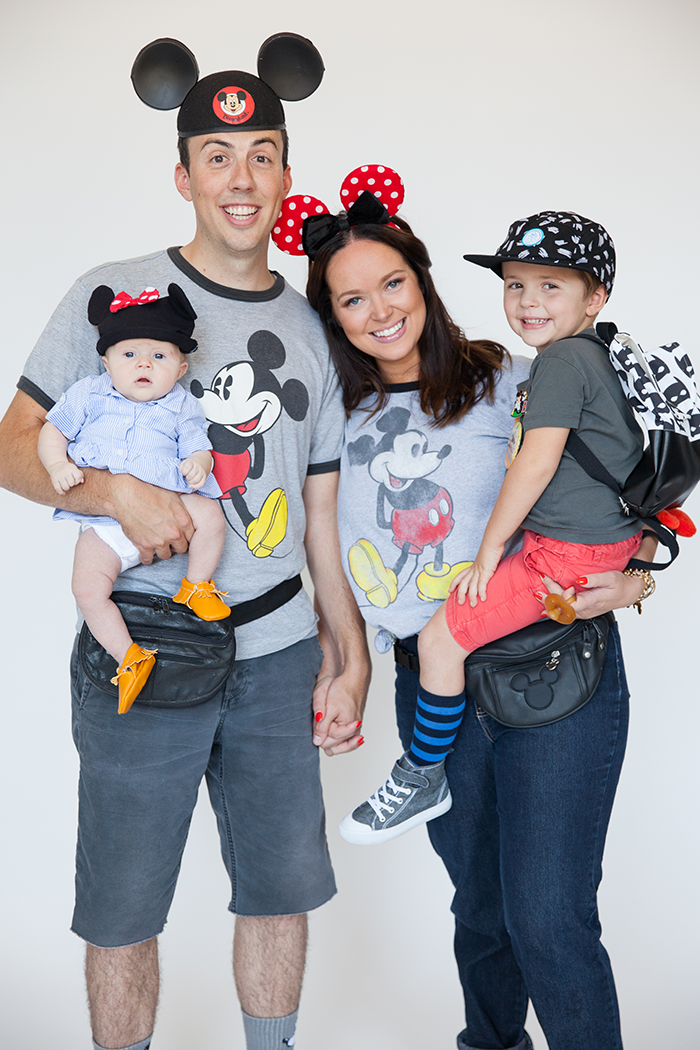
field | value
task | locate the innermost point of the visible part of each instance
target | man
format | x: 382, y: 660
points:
x: 259, y: 345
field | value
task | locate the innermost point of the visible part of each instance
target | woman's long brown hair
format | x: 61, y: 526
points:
x: 455, y: 372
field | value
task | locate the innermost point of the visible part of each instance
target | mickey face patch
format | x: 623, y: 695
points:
x: 234, y: 105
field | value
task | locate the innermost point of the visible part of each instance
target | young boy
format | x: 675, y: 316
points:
x: 558, y: 270
x: 136, y: 419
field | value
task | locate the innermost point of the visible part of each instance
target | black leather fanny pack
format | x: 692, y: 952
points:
x: 194, y: 656
x: 537, y: 675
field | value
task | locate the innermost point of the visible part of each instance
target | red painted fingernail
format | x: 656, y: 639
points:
x: 361, y: 741
x: 538, y: 595
x: 583, y: 580
x: 358, y: 724
x: 319, y: 716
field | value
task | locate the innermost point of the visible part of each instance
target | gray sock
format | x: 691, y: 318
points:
x: 270, y: 1033
x: 143, y: 1045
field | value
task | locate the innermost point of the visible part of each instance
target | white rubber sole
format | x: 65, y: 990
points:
x: 362, y: 835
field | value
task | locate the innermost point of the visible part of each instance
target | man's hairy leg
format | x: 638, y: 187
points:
x: 122, y: 986
x: 269, y: 955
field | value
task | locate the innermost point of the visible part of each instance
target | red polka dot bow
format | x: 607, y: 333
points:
x: 148, y: 295
x: 370, y: 194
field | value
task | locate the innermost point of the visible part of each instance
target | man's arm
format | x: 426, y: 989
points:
x: 154, y: 519
x: 343, y: 681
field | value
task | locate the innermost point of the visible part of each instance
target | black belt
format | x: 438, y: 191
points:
x: 266, y: 603
x: 405, y: 658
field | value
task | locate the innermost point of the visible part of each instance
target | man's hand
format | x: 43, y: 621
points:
x: 338, y: 713
x: 154, y: 519
x: 343, y: 681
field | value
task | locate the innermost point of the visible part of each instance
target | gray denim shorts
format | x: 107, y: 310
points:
x: 139, y: 777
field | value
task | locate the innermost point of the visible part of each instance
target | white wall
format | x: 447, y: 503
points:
x: 490, y: 111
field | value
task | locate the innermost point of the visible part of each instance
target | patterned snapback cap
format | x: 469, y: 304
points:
x: 556, y: 238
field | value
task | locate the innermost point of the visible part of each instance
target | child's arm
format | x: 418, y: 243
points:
x: 51, y: 447
x: 532, y: 470
x: 196, y: 468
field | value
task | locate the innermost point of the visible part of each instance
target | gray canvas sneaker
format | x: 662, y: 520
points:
x: 411, y: 795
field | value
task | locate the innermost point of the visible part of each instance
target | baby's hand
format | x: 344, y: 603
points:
x: 65, y: 476
x: 193, y: 472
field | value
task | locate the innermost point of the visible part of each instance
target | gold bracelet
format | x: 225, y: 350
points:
x: 649, y: 586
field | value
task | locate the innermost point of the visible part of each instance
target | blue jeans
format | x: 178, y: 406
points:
x: 523, y: 845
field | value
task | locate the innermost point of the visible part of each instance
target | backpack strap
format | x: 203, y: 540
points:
x: 588, y: 460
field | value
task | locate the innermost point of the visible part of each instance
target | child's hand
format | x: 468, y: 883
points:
x: 474, y: 580
x: 193, y: 472
x: 65, y: 476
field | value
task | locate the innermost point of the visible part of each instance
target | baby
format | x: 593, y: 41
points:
x: 558, y: 270
x: 136, y: 419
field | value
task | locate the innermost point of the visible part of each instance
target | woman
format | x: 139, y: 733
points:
x: 428, y: 424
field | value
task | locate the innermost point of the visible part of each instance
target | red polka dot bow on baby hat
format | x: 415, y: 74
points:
x: 370, y: 194
x: 148, y: 295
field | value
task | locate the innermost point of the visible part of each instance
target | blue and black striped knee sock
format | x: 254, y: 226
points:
x: 437, y: 720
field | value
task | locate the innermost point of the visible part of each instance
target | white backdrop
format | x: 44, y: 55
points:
x: 490, y: 111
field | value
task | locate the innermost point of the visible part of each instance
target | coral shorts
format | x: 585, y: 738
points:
x: 511, y: 603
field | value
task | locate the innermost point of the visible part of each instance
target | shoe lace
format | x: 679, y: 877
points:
x: 206, y: 590
x: 385, y: 795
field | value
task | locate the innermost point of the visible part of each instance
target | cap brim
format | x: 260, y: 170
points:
x: 490, y: 262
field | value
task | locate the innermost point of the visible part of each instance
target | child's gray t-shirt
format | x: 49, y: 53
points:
x: 573, y: 384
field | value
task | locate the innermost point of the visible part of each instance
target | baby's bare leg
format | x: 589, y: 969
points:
x: 441, y: 658
x: 207, y: 542
x: 95, y: 570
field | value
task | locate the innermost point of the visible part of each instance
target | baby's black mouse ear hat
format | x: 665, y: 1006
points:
x: 165, y: 75
x: 168, y: 318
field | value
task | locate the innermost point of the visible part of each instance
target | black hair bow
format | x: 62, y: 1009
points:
x: 320, y: 229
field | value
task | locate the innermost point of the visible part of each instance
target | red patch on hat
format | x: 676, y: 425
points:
x: 234, y: 105
x: 385, y: 183
x: 286, y: 233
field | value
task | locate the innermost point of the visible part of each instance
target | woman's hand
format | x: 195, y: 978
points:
x: 600, y: 593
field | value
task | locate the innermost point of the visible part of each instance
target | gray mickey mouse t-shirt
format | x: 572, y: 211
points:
x: 263, y: 376
x: 414, y: 499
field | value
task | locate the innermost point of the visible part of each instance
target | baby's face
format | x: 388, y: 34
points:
x: 144, y: 369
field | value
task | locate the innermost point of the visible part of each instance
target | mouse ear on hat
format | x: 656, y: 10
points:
x: 100, y: 302
x: 290, y: 65
x: 163, y: 72
x: 287, y: 231
x: 180, y: 301
x: 383, y: 182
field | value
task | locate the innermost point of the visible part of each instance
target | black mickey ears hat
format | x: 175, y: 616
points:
x: 556, y: 238
x: 167, y: 318
x: 165, y: 75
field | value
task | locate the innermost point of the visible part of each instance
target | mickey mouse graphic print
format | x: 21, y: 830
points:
x: 414, y: 499
x: 263, y: 378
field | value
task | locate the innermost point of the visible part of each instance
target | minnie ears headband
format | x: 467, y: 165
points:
x: 371, y: 195
x: 165, y: 75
